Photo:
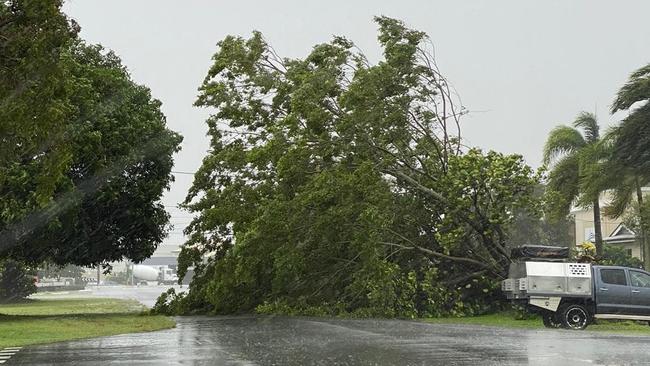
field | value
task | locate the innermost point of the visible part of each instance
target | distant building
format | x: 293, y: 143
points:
x: 584, y: 225
x: 625, y: 238
x: 613, y: 230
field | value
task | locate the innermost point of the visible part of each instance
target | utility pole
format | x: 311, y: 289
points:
x: 98, y: 274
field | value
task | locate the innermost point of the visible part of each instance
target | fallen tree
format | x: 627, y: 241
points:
x: 334, y: 185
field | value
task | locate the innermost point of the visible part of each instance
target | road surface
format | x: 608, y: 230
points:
x: 251, y: 340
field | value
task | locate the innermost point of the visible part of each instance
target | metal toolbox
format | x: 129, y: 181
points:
x: 548, y: 279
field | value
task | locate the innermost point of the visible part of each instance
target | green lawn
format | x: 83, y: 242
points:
x: 47, y: 321
x: 508, y: 320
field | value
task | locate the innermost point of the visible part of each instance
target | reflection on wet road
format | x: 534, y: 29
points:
x: 316, y: 341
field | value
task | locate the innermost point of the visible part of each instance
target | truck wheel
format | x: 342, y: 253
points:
x: 550, y: 320
x: 574, y: 316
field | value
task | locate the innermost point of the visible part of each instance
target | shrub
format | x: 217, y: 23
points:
x: 16, y: 281
x: 169, y: 303
x: 617, y: 256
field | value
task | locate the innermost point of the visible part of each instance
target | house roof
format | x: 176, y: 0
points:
x: 620, y: 235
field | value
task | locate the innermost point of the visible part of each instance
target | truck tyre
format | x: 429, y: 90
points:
x: 550, y: 320
x: 574, y: 316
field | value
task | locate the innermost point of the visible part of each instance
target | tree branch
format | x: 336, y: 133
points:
x: 438, y: 254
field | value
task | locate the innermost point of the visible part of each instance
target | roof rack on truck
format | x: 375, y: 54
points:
x: 539, y: 253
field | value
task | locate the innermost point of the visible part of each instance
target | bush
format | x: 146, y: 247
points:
x: 16, y: 281
x: 169, y: 303
x: 616, y: 256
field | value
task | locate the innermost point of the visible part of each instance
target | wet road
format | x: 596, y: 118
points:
x: 313, y: 341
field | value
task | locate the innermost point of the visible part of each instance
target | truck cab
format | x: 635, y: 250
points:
x: 621, y: 293
x: 166, y: 276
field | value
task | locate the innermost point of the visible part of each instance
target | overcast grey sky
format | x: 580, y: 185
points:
x: 522, y: 66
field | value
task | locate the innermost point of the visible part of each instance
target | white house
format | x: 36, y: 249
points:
x: 614, y: 232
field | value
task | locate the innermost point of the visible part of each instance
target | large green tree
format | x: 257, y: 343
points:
x: 571, y: 152
x: 109, y: 148
x: 335, y: 182
x: 34, y: 104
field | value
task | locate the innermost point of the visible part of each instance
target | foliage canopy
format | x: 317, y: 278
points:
x: 336, y: 185
x: 85, y: 153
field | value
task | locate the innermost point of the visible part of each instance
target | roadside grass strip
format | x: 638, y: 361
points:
x: 508, y: 320
x: 48, y: 321
x: 7, y: 352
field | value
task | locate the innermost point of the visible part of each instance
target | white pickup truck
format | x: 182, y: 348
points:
x: 572, y: 295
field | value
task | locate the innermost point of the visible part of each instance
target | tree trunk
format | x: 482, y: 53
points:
x: 598, y: 234
x: 645, y: 243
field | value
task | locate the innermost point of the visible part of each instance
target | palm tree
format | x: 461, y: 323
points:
x: 571, y: 152
x: 622, y: 182
x: 632, y: 136
x: 630, y: 151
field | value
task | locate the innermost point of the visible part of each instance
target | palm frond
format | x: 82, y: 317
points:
x: 598, y: 174
x: 588, y: 123
x: 563, y: 183
x: 608, y: 141
x: 621, y: 197
x: 562, y: 140
x: 632, y: 141
x: 635, y: 90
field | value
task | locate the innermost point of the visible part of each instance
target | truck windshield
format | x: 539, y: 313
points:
x: 613, y: 276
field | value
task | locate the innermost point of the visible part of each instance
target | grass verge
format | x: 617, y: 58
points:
x: 507, y: 320
x: 47, y: 321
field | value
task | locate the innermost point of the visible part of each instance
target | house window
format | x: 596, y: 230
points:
x: 590, y: 234
x: 629, y: 252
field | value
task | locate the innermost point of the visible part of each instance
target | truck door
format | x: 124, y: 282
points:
x: 612, y: 291
x: 640, y: 292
